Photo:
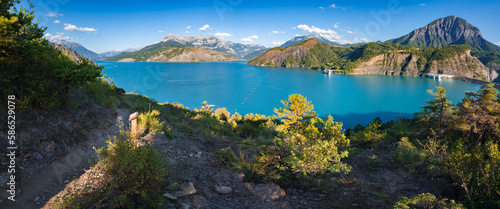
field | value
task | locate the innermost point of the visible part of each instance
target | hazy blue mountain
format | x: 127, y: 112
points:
x: 81, y: 50
x: 117, y: 52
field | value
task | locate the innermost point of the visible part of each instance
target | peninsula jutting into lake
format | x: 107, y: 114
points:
x: 249, y: 104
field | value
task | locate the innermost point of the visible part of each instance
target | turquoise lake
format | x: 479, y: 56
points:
x: 242, y: 88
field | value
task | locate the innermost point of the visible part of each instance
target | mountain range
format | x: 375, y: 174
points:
x: 90, y: 54
x: 213, y: 43
x: 169, y: 52
x: 453, y: 30
x: 321, y: 39
x: 378, y: 58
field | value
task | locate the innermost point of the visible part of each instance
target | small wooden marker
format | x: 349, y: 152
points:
x: 133, y: 122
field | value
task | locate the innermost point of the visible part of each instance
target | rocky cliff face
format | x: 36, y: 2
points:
x: 185, y: 54
x: 442, y: 32
x: 463, y: 65
x: 72, y: 53
x: 453, y: 30
x: 277, y: 56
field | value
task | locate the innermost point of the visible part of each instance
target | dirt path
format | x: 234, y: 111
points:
x: 38, y: 188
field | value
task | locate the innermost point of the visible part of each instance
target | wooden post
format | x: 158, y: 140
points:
x: 133, y: 123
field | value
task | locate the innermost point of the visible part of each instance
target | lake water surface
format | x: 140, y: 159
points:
x: 243, y: 88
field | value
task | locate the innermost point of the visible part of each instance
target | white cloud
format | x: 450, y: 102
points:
x: 205, y: 27
x: 70, y: 27
x: 57, y: 21
x: 277, y: 42
x: 423, y: 4
x: 250, y: 39
x: 294, y: 28
x: 188, y: 32
x: 333, y: 6
x: 282, y: 31
x: 335, y: 26
x: 160, y: 31
x: 223, y: 34
x: 313, y: 29
x: 275, y: 31
x: 321, y: 7
x: 58, y: 37
x: 498, y: 43
x: 325, y: 33
x: 247, y: 39
x: 351, y: 32
x: 53, y: 14
x: 188, y: 27
x: 361, y: 40
x: 297, y: 35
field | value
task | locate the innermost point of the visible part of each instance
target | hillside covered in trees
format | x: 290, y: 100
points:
x: 378, y: 58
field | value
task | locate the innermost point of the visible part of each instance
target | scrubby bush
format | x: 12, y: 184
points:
x: 138, y: 174
x: 408, y: 155
x: 127, y: 176
x: 461, y: 142
x: 222, y: 114
x: 426, y: 200
x: 150, y: 121
x: 370, y: 136
x: 247, y: 130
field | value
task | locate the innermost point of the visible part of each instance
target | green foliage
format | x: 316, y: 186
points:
x: 150, y: 121
x: 408, y: 155
x: 476, y: 170
x: 307, y: 145
x: 222, y: 114
x: 426, y: 200
x: 247, y: 130
x: 301, y: 147
x: 138, y: 173
x: 365, y: 52
x: 38, y: 74
x: 478, y: 115
x: 438, y: 108
x: 103, y: 91
x: 373, y: 163
x: 369, y: 136
x: 312, y: 149
x: 459, y: 141
x: 128, y: 176
x: 297, y: 109
x: 290, y: 61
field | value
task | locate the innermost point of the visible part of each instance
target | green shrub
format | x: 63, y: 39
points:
x: 426, y: 200
x: 32, y: 69
x: 150, y: 120
x: 128, y: 176
x: 371, y: 136
x: 247, y: 130
x: 476, y: 171
x: 307, y: 145
x: 408, y: 155
x: 222, y: 114
x: 373, y: 163
x: 138, y: 173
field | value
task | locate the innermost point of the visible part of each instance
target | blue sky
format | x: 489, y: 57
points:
x: 107, y: 25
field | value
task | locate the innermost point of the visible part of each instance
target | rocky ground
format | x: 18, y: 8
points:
x: 203, y: 182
